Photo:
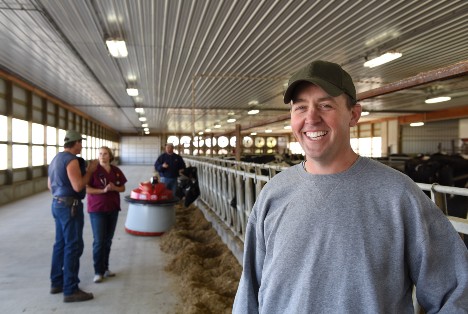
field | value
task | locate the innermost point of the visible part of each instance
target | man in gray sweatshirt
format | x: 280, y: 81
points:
x: 341, y: 233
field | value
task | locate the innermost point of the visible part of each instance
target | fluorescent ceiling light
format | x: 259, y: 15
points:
x: 386, y: 57
x: 132, y: 92
x: 139, y: 110
x: 117, y: 48
x: 253, y: 111
x: 144, y: 125
x: 364, y: 113
x: 231, y: 120
x: 217, y: 126
x: 208, y: 130
x: 231, y: 113
x: 146, y: 129
x: 253, y: 133
x: 200, y: 133
x: 287, y: 127
x: 417, y: 124
x: 434, y: 100
x: 268, y: 131
x: 142, y: 119
x: 147, y: 132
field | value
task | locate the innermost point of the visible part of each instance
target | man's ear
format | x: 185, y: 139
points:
x: 355, y: 115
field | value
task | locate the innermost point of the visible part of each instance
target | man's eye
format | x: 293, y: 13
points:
x: 298, y: 107
x: 325, y: 106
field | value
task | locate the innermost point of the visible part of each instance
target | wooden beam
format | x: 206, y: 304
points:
x: 451, y: 71
x: 447, y: 114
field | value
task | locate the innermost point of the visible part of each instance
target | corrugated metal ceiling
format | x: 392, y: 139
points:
x: 195, y: 61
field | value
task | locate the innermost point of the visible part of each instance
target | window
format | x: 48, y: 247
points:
x: 19, y: 156
x: 37, y: 155
x: 3, y: 156
x: 19, y: 131
x: 52, y: 136
x: 3, y: 128
x: 37, y: 134
x: 367, y: 146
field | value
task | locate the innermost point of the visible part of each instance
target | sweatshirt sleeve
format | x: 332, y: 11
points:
x: 158, y: 164
x: 246, y: 300
x: 439, y: 262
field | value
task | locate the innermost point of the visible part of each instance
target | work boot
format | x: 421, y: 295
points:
x: 55, y: 290
x: 78, y: 296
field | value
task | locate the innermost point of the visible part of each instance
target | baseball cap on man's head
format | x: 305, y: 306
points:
x: 72, y: 136
x: 329, y: 76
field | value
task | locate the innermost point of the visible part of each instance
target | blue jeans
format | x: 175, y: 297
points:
x: 171, y: 184
x: 103, y: 225
x: 68, y: 246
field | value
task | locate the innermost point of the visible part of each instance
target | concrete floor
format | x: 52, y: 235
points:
x: 26, y: 239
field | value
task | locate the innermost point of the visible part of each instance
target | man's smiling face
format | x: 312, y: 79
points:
x: 321, y: 123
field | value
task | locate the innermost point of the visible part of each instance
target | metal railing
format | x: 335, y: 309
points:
x: 229, y: 189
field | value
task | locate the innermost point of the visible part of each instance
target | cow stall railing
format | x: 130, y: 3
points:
x: 228, y: 190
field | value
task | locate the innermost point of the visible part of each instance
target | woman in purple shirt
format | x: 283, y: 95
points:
x: 103, y: 200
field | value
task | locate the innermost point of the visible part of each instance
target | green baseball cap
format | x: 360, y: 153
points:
x: 72, y: 136
x: 329, y: 76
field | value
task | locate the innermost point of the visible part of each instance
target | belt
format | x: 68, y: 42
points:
x: 68, y: 200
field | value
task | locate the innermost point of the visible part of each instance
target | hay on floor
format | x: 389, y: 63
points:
x: 209, y: 272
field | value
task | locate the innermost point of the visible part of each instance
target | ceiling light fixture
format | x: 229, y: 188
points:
x: 200, y: 133
x: 287, y: 127
x: 365, y: 113
x: 417, y: 124
x: 132, y: 92
x: 217, y: 126
x: 386, y: 57
x: 144, y: 125
x: 139, y: 110
x: 268, y: 131
x: 253, y: 133
x: 231, y: 120
x: 208, y: 130
x: 142, y: 119
x: 253, y: 111
x: 434, y: 100
x: 117, y: 48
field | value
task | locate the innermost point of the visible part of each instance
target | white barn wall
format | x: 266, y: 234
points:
x: 427, y: 139
x: 139, y: 150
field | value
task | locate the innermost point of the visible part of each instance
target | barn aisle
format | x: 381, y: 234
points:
x: 27, y: 233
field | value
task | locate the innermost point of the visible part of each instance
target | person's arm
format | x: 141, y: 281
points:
x: 78, y: 181
x: 110, y: 187
x: 158, y: 164
x: 438, y: 263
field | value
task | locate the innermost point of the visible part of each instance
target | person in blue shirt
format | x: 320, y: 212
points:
x: 67, y: 180
x: 169, y: 165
